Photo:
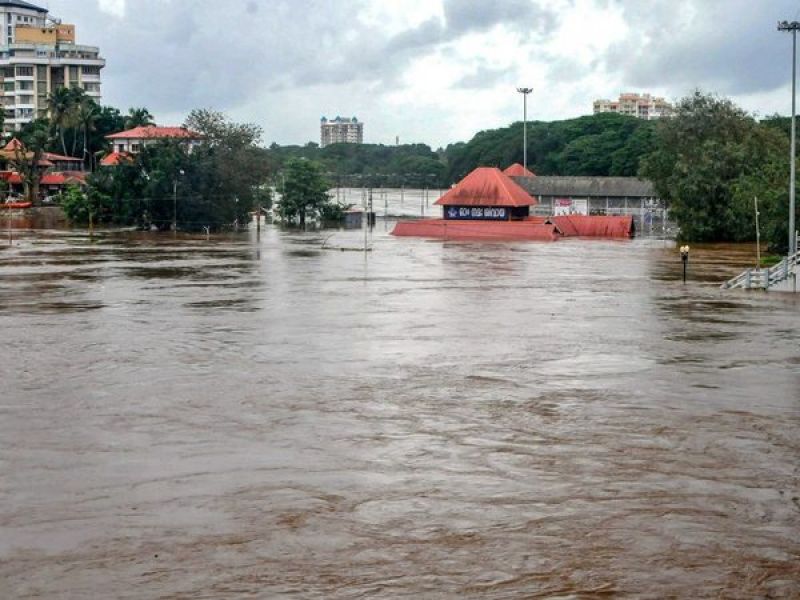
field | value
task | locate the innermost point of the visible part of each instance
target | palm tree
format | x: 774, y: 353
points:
x: 78, y: 97
x: 87, y: 113
x: 60, y: 107
x: 138, y: 117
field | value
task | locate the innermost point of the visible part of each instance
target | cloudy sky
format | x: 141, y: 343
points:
x: 432, y: 71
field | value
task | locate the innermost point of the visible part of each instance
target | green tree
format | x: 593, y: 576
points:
x: 138, y: 117
x: 600, y: 145
x: 711, y: 159
x: 26, y: 158
x: 61, y: 110
x: 304, y: 191
x: 215, y: 185
x: 87, y: 113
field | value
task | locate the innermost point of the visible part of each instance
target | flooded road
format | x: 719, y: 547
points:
x: 274, y: 419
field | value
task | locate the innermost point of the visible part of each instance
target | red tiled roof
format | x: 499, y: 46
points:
x: 115, y: 158
x: 48, y: 179
x: 152, y: 132
x: 595, y: 226
x: 486, y: 186
x: 517, y: 170
x: 476, y: 230
x: 12, y: 145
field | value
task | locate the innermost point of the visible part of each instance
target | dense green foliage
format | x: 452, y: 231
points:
x: 35, y: 138
x: 304, y: 193
x: 709, y: 163
x: 604, y: 144
x: 369, y: 165
x: 215, y: 185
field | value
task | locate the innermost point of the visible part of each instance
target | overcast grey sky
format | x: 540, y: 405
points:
x: 432, y: 71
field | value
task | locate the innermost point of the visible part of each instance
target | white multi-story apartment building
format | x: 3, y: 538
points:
x: 643, y: 106
x: 339, y: 130
x: 38, y: 54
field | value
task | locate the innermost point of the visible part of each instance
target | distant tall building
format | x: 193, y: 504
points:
x: 643, y: 106
x: 339, y: 130
x: 38, y: 54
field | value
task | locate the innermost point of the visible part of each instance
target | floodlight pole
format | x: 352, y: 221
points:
x: 792, y: 26
x: 525, y: 91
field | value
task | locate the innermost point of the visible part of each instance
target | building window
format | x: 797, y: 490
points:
x: 136, y: 147
x: 24, y: 71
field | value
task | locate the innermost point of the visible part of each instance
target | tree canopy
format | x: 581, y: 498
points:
x: 601, y: 145
x: 304, y: 191
x: 709, y: 163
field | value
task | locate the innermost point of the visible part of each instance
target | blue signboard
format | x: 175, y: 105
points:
x: 476, y: 213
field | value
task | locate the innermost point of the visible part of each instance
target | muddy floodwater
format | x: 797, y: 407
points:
x: 288, y: 418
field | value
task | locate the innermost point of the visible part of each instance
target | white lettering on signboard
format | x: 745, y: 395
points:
x: 477, y: 212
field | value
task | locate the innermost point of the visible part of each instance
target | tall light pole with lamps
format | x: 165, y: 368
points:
x: 792, y: 26
x: 524, y: 91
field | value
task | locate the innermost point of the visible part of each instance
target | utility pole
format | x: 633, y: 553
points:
x: 175, y: 203
x: 758, y: 235
x: 525, y: 91
x: 792, y: 26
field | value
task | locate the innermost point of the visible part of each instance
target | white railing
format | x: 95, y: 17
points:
x: 763, y: 279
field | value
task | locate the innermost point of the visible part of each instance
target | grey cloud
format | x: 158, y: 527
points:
x: 731, y: 47
x: 482, y: 77
x: 464, y: 16
x: 176, y: 55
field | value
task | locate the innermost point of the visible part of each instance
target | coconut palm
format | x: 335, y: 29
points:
x: 78, y: 97
x: 60, y: 105
x: 138, y: 117
x: 86, y: 115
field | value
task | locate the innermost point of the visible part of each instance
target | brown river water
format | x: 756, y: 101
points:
x: 271, y: 418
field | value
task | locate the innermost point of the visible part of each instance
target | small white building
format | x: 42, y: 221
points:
x: 134, y: 140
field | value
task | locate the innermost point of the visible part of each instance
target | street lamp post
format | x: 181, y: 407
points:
x: 525, y: 91
x: 175, y: 203
x: 685, y: 260
x: 792, y: 26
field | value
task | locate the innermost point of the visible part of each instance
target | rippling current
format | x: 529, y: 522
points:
x: 281, y: 418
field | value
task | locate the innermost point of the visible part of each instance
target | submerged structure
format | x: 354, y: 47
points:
x: 488, y: 204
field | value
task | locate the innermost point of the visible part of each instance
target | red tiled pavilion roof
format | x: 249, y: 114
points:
x: 486, y: 186
x: 517, y: 170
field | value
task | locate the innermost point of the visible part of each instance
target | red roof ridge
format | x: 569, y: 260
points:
x: 486, y: 186
x: 156, y: 131
x: 517, y: 170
